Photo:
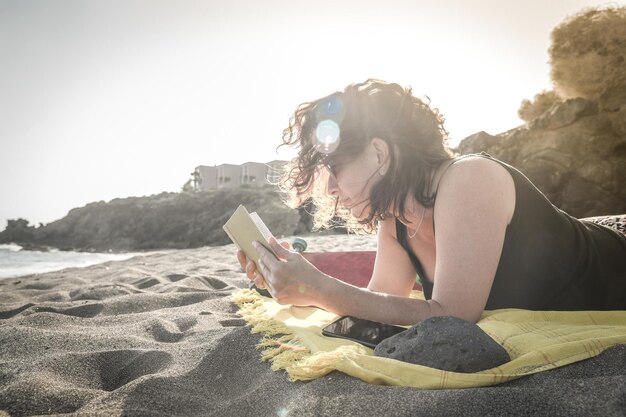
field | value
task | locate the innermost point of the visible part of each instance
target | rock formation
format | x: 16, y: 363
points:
x: 166, y: 220
x: 574, y: 154
x: 573, y: 145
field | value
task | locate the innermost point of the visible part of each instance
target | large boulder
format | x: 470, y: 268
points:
x: 575, y: 154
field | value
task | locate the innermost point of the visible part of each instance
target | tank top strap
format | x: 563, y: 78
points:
x: 401, y: 235
x: 461, y: 157
x: 454, y: 161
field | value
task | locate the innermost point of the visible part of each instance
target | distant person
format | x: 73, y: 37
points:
x: 477, y: 233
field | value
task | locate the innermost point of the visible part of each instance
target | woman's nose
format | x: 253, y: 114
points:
x: 332, y: 187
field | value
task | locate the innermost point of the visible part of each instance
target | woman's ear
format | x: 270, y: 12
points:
x: 382, y: 154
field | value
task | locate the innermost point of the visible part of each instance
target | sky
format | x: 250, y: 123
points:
x: 116, y: 98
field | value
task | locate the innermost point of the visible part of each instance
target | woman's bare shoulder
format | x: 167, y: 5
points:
x: 476, y: 164
x: 479, y: 171
x: 475, y: 177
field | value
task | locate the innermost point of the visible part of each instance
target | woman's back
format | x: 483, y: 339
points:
x: 551, y: 260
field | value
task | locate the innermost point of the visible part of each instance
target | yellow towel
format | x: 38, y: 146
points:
x: 535, y: 340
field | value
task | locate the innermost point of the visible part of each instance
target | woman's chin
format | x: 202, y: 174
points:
x: 359, y: 213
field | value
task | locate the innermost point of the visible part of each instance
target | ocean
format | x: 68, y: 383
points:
x: 15, y: 262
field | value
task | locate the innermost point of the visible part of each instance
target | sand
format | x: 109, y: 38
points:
x: 156, y: 335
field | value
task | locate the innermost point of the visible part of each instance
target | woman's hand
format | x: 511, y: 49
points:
x: 249, y: 267
x: 291, y: 279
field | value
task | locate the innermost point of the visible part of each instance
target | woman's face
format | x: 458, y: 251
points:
x: 352, y: 180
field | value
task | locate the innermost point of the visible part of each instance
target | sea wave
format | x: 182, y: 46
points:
x: 11, y: 247
x: 15, y: 262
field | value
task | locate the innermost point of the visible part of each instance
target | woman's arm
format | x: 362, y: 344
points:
x: 393, y: 271
x: 293, y: 280
x: 475, y: 203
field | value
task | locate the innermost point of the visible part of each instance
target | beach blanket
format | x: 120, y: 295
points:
x: 535, y: 340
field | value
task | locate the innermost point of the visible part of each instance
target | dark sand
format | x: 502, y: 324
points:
x: 157, y: 336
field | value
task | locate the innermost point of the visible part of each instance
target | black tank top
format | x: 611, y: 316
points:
x: 550, y: 260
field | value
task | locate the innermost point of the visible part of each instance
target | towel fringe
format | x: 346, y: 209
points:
x: 316, y: 366
x: 278, y: 345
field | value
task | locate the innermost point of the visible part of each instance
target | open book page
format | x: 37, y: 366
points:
x: 243, y: 228
x: 262, y: 226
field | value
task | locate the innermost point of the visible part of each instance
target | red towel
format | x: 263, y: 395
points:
x: 353, y: 267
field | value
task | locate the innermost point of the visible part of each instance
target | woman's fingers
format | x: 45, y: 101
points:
x: 262, y: 273
x: 241, y: 257
x: 247, y: 265
x: 266, y: 263
x: 250, y: 269
x: 282, y: 251
x: 259, y: 282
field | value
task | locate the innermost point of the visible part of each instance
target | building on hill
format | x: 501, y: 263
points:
x: 251, y: 174
x: 228, y: 176
x: 204, y: 178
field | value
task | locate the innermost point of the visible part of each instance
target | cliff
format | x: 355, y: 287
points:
x: 575, y: 154
x: 166, y: 220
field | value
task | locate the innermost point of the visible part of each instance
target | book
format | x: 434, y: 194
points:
x: 243, y: 228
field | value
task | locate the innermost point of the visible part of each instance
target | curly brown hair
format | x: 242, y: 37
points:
x: 412, y: 129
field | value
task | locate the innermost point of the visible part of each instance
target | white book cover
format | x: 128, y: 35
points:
x: 243, y: 228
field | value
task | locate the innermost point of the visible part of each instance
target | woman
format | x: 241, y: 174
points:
x: 475, y: 230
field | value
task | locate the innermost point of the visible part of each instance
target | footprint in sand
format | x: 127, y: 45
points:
x: 185, y: 323
x: 35, y: 285
x: 7, y: 314
x: 213, y: 283
x: 176, y: 277
x: 84, y: 311
x: 167, y: 331
x: 119, y: 367
x: 101, y: 292
x: 233, y: 322
x: 146, y: 282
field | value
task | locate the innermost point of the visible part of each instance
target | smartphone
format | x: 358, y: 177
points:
x: 366, y: 332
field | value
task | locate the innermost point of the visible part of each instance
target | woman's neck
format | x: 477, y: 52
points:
x: 419, y: 218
